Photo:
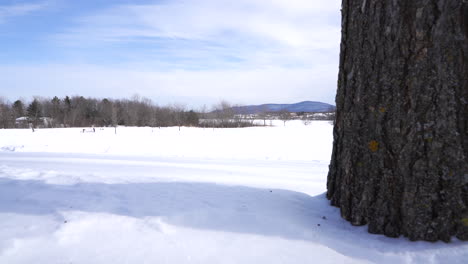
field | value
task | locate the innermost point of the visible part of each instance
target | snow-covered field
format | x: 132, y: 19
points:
x: 249, y: 195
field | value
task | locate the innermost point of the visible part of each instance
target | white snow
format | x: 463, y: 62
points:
x: 143, y: 195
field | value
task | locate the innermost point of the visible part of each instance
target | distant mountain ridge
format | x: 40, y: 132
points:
x: 306, y: 106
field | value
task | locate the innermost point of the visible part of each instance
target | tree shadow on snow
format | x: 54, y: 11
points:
x: 278, y: 213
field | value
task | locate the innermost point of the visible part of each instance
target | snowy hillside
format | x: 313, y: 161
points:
x: 249, y: 195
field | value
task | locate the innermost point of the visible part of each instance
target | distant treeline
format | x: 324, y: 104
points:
x: 78, y: 111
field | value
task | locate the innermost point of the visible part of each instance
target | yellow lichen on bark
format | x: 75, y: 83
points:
x: 374, y: 146
x: 465, y: 221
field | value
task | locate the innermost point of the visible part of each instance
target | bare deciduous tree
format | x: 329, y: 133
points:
x: 284, y: 115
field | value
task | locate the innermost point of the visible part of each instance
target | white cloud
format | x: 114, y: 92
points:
x: 277, y: 85
x: 196, y: 52
x: 10, y: 11
x: 245, y: 28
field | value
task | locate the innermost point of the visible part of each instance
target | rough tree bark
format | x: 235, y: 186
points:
x: 399, y: 161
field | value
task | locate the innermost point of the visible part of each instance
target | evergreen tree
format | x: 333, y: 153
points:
x: 18, y: 108
x: 34, y: 112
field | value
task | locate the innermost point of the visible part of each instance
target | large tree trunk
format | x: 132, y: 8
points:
x: 399, y: 161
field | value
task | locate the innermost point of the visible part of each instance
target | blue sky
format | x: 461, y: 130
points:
x: 193, y: 52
